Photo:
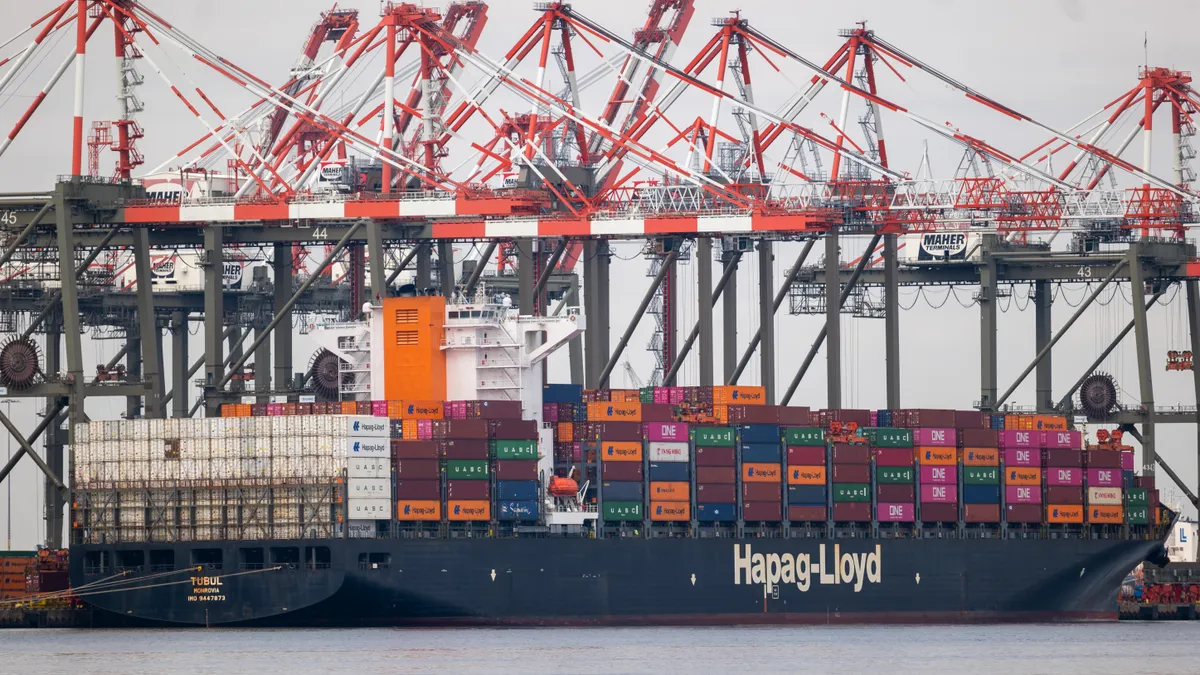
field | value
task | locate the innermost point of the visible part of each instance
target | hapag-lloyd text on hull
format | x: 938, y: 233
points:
x: 771, y: 569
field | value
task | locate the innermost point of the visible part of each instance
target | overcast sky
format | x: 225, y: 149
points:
x: 1057, y: 61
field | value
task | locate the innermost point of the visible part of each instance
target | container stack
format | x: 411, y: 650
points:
x: 851, y: 480
x: 564, y: 411
x: 807, y: 460
x: 1021, y: 455
x: 512, y: 445
x: 761, y: 453
x: 1062, y: 476
x: 669, y: 461
x: 418, y: 477
x: 895, y: 484
x: 621, y: 469
x: 13, y: 565
x: 937, y: 457
x: 716, y: 474
x: 368, y: 470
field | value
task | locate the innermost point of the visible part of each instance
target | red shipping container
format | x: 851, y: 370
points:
x: 895, y: 493
x: 762, y: 492
x: 618, y: 431
x: 806, y: 513
x: 762, y: 511
x: 1103, y: 459
x: 800, y: 455
x: 468, y: 489
x: 893, y: 456
x: 716, y: 474
x: 973, y: 420
x: 717, y: 493
x: 852, y: 512
x: 464, y: 448
x: 939, y: 513
x: 512, y: 429
x: 1023, y: 513
x: 799, y: 416
x: 753, y: 414
x: 622, y: 471
x: 924, y: 417
x: 845, y: 453
x: 516, y: 469
x: 1144, y: 482
x: 414, y: 450
x: 465, y: 428
x: 361, y: 407
x: 981, y: 513
x: 1062, y: 458
x: 1064, y: 494
x: 979, y: 438
x: 658, y: 412
x: 495, y: 410
x: 851, y: 473
x: 715, y: 457
x: 420, y: 469
x: 430, y: 490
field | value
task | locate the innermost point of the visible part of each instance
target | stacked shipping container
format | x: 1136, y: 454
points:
x: 807, y: 461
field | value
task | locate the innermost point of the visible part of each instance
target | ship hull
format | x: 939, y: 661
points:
x: 574, y: 582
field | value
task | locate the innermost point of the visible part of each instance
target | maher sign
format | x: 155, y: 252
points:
x: 952, y: 247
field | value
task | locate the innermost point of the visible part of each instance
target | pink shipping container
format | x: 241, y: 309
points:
x: 1062, y: 439
x: 896, y: 513
x: 939, y: 494
x: 1103, y: 478
x: 274, y: 409
x: 458, y: 410
x: 549, y: 412
x: 1022, y: 457
x: 1022, y: 494
x: 662, y: 396
x: 379, y: 409
x: 1014, y: 438
x: 1126, y: 458
x: 666, y: 431
x: 938, y: 438
x: 939, y: 475
x: 675, y: 395
x: 1062, y: 475
x: 424, y: 430
x: 874, y: 418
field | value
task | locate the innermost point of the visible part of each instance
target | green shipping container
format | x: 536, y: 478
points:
x: 646, y: 394
x: 707, y: 437
x: 851, y: 492
x: 1137, y: 497
x: 623, y: 511
x: 894, y: 474
x: 981, y: 475
x: 1137, y: 515
x: 467, y: 468
x: 804, y: 436
x: 513, y: 449
x: 884, y: 437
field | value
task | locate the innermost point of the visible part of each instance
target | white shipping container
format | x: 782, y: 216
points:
x: 83, y: 432
x: 171, y: 427
x: 369, y: 509
x: 363, y: 426
x: 158, y: 429
x: 1104, y: 496
x: 368, y: 447
x: 278, y: 425
x: 668, y: 451
x: 369, y: 487
x: 369, y: 467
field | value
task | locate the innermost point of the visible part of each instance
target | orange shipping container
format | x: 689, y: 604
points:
x: 620, y: 451
x: 1049, y: 422
x: 408, y: 430
x: 395, y: 409
x: 227, y: 409
x: 1022, y: 475
x: 669, y: 491
x: 601, y: 411
x: 469, y: 510
x: 1114, y: 515
x: 670, y: 511
x: 566, y: 432
x: 349, y: 407
x: 980, y: 456
x: 761, y: 473
x: 1018, y: 422
x: 418, y: 510
x: 806, y: 475
x: 624, y: 396
x: 422, y: 410
x: 728, y: 394
x: 937, y: 456
x: 721, y: 413
x: 1064, y: 513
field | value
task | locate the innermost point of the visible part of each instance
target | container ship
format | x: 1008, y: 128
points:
x: 440, y: 482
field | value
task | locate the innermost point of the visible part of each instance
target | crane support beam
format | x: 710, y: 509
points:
x: 668, y: 262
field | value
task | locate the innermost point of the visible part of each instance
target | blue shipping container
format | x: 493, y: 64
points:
x: 759, y: 433
x: 998, y: 422
x: 883, y: 418
x: 562, y: 393
x: 1127, y: 480
x: 761, y: 453
x: 517, y: 490
x: 670, y: 471
x: 621, y: 491
x: 806, y: 495
x: 517, y: 511
x: 981, y: 494
x: 712, y: 513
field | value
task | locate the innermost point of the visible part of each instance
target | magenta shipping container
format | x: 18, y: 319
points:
x: 1062, y: 439
x: 896, y: 513
x: 1021, y: 457
x: 1103, y: 478
x: 1022, y: 494
x: 939, y: 438
x: 1013, y: 438
x: 939, y: 494
x: 1061, y: 475
x: 939, y: 475
x: 893, y: 456
x: 1127, y: 460
x: 666, y: 431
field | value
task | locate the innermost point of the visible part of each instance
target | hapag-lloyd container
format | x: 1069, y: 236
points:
x: 1106, y: 478
x: 1071, y: 440
x: 938, y: 475
x: 1064, y: 476
x: 895, y: 513
x: 1014, y: 438
x: 1018, y: 475
x: 937, y: 456
x: 939, y: 494
x: 1022, y: 494
x: 666, y: 431
x: 938, y: 438
x: 806, y: 475
x: 668, y: 451
x: 1021, y: 457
